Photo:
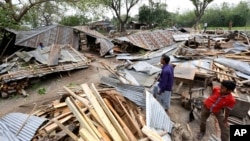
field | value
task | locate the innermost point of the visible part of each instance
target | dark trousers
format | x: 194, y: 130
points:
x: 205, y: 113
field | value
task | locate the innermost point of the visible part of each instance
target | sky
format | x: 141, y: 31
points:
x: 181, y: 5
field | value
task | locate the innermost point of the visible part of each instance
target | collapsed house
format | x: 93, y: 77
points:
x: 94, y: 40
x: 22, y: 66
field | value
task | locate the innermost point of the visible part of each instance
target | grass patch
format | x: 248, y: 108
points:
x: 233, y: 28
x: 35, y: 86
x: 41, y: 91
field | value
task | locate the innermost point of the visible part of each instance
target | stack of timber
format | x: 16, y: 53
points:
x: 93, y: 115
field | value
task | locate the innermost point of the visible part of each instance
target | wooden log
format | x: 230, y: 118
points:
x: 100, y: 112
x: 79, y: 117
x: 152, y: 135
x: 66, y: 130
x: 125, y: 127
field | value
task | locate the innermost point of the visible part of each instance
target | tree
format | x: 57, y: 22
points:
x: 116, y: 6
x: 200, y: 7
x: 147, y: 14
x: 74, y: 20
x: 17, y: 11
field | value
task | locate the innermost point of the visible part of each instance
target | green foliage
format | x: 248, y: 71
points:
x: 74, y: 20
x: 218, y: 16
x: 147, y: 14
x: 6, y: 21
x: 41, y: 91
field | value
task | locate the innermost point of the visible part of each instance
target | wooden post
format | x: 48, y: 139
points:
x: 208, y: 42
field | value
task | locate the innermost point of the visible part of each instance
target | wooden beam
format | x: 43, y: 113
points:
x: 152, y: 135
x: 66, y: 130
x: 109, y: 114
x: 130, y: 118
x: 86, y: 103
x: 86, y: 135
x: 80, y: 118
x: 125, y: 127
x: 105, y: 120
x: 217, y: 72
x: 53, y: 126
x: 89, y: 122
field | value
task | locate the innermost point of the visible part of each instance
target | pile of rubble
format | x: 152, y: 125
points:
x: 89, y: 114
x: 18, y: 68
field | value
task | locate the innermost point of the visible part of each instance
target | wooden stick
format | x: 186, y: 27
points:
x: 66, y: 130
x: 217, y: 72
x: 151, y: 134
x: 80, y: 117
x: 26, y: 120
x: 125, y: 127
x: 130, y: 118
x: 102, y: 115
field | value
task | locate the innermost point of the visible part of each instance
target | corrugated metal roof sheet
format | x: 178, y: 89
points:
x: 88, y: 31
x: 48, y: 35
x: 133, y: 93
x: 156, y: 117
x: 150, y: 40
x: 15, y: 121
x: 142, y: 78
x: 181, y: 37
x: 6, y: 134
x: 105, y: 43
x: 69, y: 59
x: 145, y: 67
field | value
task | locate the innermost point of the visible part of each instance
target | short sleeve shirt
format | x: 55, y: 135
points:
x: 216, y: 101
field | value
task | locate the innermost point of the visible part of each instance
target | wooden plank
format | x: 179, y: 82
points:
x: 86, y: 103
x: 53, y: 126
x: 161, y: 134
x: 152, y: 135
x: 79, y: 117
x: 66, y: 130
x: 104, y: 134
x: 125, y: 127
x: 58, y: 117
x: 131, y: 120
x: 109, y: 114
x: 86, y: 135
x: 105, y: 121
x: 89, y: 122
x: 59, y: 105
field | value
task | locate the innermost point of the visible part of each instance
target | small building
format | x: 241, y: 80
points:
x: 135, y: 25
x: 105, y: 26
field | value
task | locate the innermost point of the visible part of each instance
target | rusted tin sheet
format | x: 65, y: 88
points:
x: 48, y: 35
x: 54, y: 55
x: 105, y: 43
x: 90, y: 32
x: 150, y: 40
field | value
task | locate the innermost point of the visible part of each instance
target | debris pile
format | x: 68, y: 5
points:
x: 102, y: 114
x: 18, y: 68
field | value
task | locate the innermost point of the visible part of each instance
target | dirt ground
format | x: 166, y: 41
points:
x: 54, y: 83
